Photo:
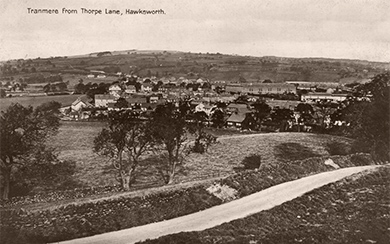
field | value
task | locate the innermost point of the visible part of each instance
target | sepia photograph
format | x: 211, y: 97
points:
x: 194, y: 121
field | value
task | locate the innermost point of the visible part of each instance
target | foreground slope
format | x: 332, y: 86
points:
x: 227, y: 212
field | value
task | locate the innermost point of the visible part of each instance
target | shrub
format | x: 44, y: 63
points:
x: 293, y: 151
x: 361, y: 159
x: 203, y: 142
x: 252, y: 162
x: 338, y: 148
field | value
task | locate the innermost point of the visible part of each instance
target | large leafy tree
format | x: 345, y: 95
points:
x: 124, y: 141
x: 218, y: 118
x: 323, y: 110
x: 261, y: 112
x: 203, y: 139
x: 305, y: 114
x: 367, y: 116
x: 23, y: 132
x: 171, y: 133
x: 282, y: 116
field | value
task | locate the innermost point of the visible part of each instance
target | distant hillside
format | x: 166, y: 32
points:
x: 213, y: 66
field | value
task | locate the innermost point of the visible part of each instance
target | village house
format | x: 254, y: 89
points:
x: 311, y: 85
x: 102, y: 100
x: 208, y: 109
x: 316, y: 97
x: 147, y: 87
x: 130, y: 89
x: 81, y: 102
x: 235, y: 108
x: 132, y: 101
x: 236, y: 120
x: 115, y: 90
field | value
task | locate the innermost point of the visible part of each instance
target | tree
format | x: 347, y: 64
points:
x: 121, y: 103
x: 306, y: 112
x: 324, y: 109
x: 170, y: 131
x: 218, y: 118
x: 203, y: 139
x: 282, y: 116
x: 23, y: 132
x: 124, y: 141
x: 367, y: 114
x: 2, y: 93
x: 261, y: 111
x: 80, y: 88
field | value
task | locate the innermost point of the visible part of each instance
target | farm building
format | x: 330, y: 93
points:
x: 261, y: 88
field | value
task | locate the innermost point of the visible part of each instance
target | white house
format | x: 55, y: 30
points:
x: 316, y: 97
x: 80, y: 102
x: 147, y: 87
x: 208, y: 109
x: 102, y: 100
x: 115, y: 90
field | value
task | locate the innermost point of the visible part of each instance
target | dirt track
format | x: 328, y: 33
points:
x: 217, y: 215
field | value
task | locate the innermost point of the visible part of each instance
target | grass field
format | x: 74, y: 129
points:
x: 65, y: 100
x: 75, y: 142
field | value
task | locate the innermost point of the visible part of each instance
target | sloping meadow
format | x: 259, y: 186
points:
x: 74, y: 221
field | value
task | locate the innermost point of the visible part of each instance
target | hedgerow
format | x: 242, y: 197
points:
x: 85, y: 219
x: 353, y: 210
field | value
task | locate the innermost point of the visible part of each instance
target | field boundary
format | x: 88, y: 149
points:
x: 91, y: 218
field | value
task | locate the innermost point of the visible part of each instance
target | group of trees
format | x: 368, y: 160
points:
x: 57, y: 87
x: 91, y: 89
x: 128, y: 137
x: 25, y: 159
x: 165, y: 135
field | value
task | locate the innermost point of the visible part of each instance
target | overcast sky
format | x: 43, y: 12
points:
x: 355, y: 29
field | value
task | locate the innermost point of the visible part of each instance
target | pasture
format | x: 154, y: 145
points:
x: 65, y: 100
x: 75, y: 142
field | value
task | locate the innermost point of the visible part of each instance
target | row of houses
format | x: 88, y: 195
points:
x: 261, y: 88
x: 283, y: 88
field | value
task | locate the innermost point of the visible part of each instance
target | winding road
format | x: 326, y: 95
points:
x: 227, y: 212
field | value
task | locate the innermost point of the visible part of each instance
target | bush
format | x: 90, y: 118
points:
x: 338, y: 148
x: 203, y: 142
x: 293, y: 151
x: 252, y: 162
x: 361, y: 159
